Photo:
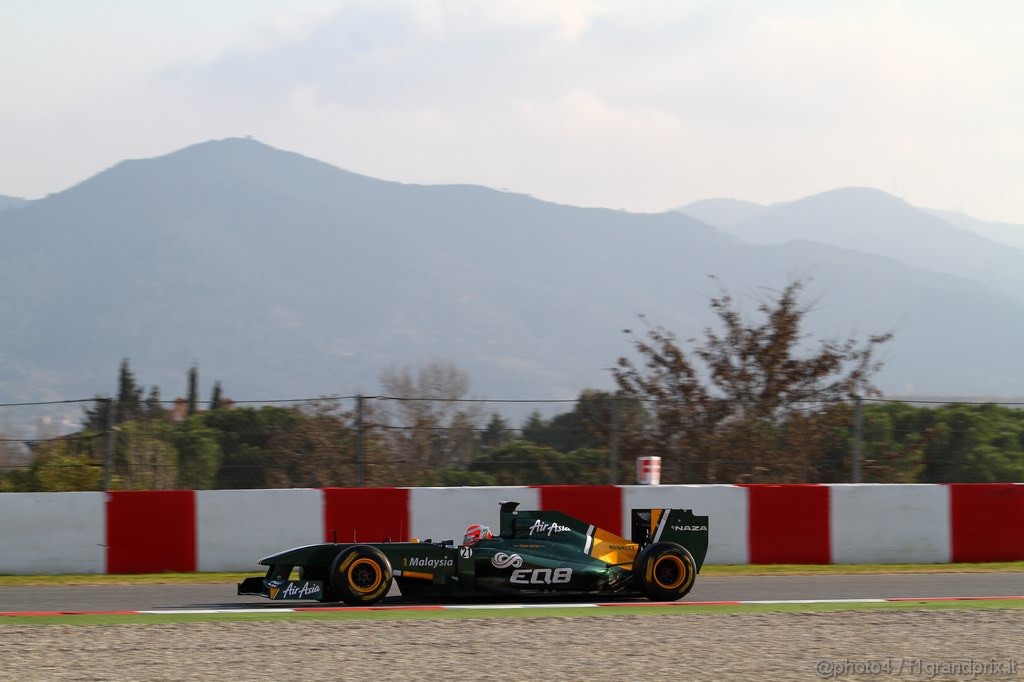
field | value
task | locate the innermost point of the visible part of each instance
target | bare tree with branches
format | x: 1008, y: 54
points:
x: 433, y: 428
x: 748, y: 402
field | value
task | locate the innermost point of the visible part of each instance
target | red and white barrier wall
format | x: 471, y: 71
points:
x: 229, y: 530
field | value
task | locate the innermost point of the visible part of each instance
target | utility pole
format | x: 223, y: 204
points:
x: 360, y: 452
x: 108, y: 429
x: 858, y: 439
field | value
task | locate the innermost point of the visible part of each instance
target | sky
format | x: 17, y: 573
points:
x: 642, y: 105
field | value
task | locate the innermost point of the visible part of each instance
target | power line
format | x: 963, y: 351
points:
x: 54, y: 439
x: 939, y: 402
x: 471, y: 400
x: 53, y: 402
x: 324, y: 398
x: 232, y: 401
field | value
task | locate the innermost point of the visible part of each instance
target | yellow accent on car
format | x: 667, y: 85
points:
x: 274, y: 591
x: 417, y: 574
x: 655, y: 517
x: 344, y: 564
x: 612, y: 549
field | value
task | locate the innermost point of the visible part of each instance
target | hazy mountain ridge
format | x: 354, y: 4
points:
x: 871, y: 221
x: 1009, y: 234
x: 284, y: 276
x: 722, y: 212
x: 11, y: 202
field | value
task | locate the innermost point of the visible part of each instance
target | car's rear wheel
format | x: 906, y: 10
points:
x: 361, y: 575
x: 666, y: 571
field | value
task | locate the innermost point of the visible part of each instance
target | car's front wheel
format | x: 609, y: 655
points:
x: 361, y: 575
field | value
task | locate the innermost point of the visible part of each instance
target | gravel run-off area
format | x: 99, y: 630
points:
x: 772, y: 646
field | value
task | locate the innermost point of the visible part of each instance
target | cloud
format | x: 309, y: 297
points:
x: 600, y: 102
x: 772, y: 69
x: 565, y: 100
x: 388, y: 54
x: 286, y: 27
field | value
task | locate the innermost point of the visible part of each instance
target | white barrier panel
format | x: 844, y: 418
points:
x: 53, y: 533
x: 726, y: 505
x: 237, y: 528
x: 66, y: 532
x: 889, y: 524
x: 445, y: 513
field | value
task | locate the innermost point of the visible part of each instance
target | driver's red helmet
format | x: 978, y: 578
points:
x: 476, y: 533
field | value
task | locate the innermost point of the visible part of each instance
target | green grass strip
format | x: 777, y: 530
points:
x: 681, y: 611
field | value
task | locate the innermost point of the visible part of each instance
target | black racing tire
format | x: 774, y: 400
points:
x: 666, y: 571
x: 361, y: 575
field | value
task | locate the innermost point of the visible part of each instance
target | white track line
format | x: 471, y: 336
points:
x: 498, y: 607
x: 312, y: 608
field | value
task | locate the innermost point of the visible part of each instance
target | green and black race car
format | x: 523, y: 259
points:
x: 535, y: 553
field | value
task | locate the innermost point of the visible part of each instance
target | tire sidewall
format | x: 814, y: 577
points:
x: 358, y: 560
x: 649, y: 559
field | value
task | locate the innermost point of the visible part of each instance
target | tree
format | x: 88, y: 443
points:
x: 496, y: 433
x: 217, y: 398
x: 315, y: 453
x: 199, y: 454
x: 193, y: 390
x: 145, y: 459
x: 435, y: 427
x: 126, y: 407
x: 153, y: 406
x: 563, y: 432
x: 972, y: 444
x: 892, y: 446
x: 129, y: 396
x: 522, y: 463
x: 590, y: 424
x: 534, y: 428
x: 735, y: 406
x: 57, y: 467
x: 245, y: 435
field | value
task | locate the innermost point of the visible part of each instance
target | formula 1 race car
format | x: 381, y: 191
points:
x: 535, y: 553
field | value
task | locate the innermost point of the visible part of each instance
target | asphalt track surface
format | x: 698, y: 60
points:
x: 715, y: 588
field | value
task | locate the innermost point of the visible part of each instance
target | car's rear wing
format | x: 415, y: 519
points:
x: 681, y: 526
x: 647, y: 527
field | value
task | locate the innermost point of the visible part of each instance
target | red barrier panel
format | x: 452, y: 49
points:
x: 366, y: 514
x: 987, y: 521
x: 600, y: 505
x: 151, y: 532
x: 789, y: 524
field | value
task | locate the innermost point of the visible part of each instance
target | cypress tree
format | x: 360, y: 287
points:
x: 193, y: 390
x: 217, y: 399
x: 129, y: 396
x: 154, y: 410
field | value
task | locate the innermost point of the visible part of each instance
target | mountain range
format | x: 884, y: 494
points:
x: 10, y: 202
x: 284, y: 277
x: 871, y: 221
